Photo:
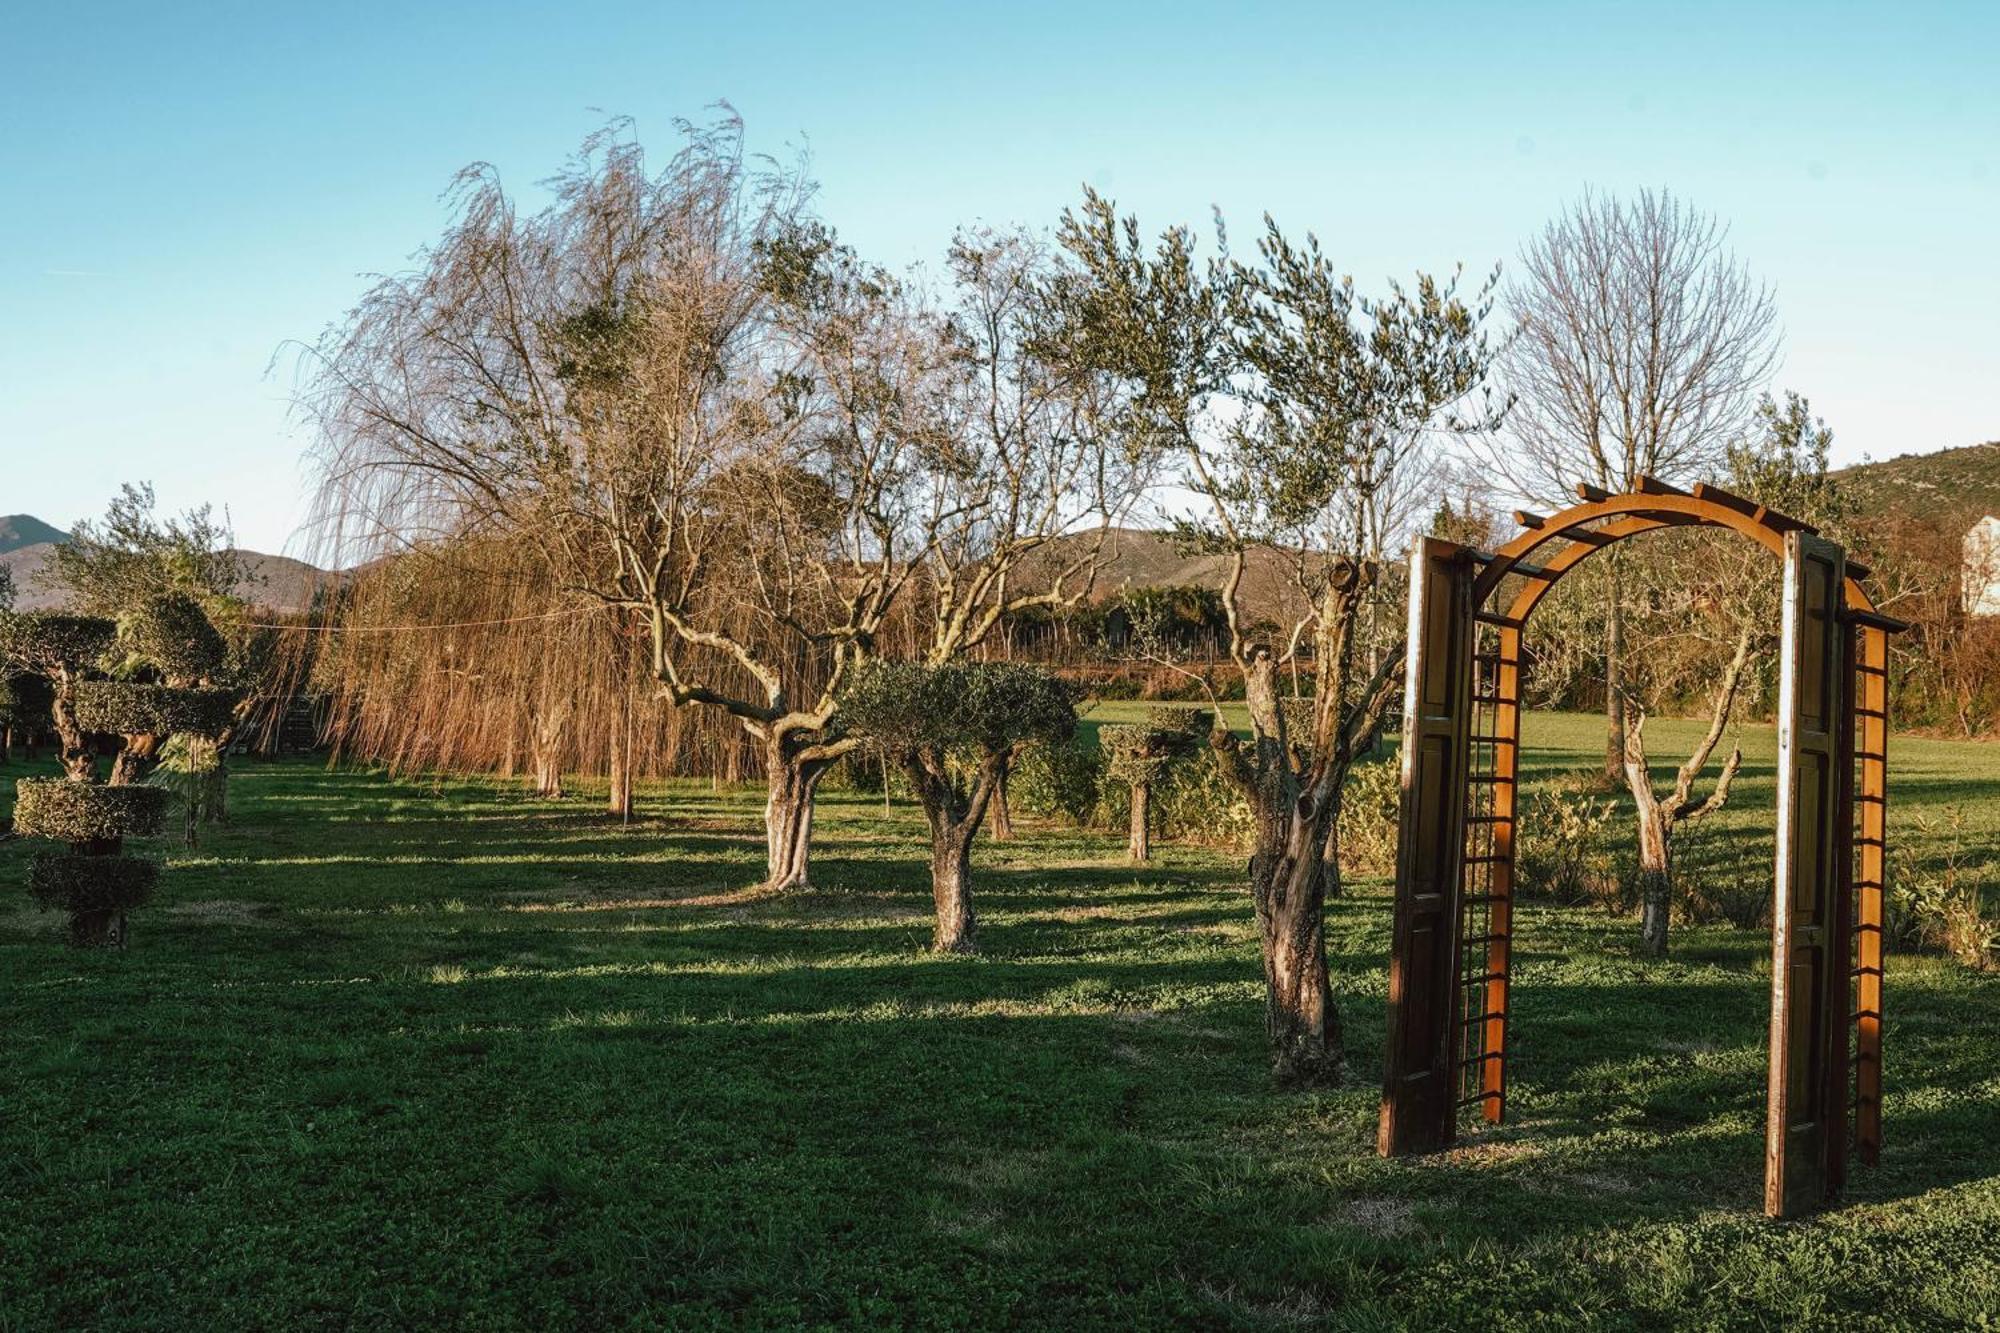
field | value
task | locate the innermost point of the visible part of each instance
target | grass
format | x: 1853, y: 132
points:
x: 391, y: 1053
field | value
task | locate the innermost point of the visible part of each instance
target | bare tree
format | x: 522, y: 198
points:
x: 1712, y: 615
x: 1293, y: 404
x: 1641, y: 343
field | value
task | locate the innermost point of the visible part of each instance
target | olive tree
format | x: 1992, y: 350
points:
x: 1297, y: 408
x: 1141, y: 753
x: 953, y: 729
x: 93, y: 880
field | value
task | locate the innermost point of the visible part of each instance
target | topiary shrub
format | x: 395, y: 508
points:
x: 173, y: 635
x: 60, y: 649
x: 170, y: 637
x: 115, y: 708
x: 86, y: 812
x: 47, y: 642
x: 1140, y: 755
x: 954, y: 729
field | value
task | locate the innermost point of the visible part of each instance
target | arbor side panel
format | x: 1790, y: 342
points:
x: 1419, y: 1084
x: 1809, y: 961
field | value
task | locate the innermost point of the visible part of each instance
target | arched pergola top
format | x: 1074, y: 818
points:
x: 1550, y: 546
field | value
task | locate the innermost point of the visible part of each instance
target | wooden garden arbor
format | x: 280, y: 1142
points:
x: 1449, y: 968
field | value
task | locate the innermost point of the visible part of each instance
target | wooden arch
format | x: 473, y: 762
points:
x: 1451, y: 956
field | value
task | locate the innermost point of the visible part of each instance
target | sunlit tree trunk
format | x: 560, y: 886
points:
x: 1002, y: 817
x: 1140, y: 841
x: 792, y: 784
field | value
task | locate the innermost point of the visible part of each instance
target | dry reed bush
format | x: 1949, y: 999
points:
x: 1561, y: 850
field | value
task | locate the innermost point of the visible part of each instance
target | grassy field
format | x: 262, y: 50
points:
x: 393, y: 1054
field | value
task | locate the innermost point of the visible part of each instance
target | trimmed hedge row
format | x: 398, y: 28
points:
x: 49, y: 641
x: 87, y: 811
x: 111, y: 707
x: 1143, y: 751
x: 72, y: 883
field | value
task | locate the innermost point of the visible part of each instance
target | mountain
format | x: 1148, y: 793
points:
x: 275, y: 581
x: 21, y: 530
x: 1956, y: 487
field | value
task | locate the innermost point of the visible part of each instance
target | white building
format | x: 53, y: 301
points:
x: 1982, y: 567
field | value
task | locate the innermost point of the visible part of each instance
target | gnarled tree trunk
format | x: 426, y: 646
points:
x: 957, y: 929
x: 1002, y: 818
x: 792, y: 781
x: 1288, y: 888
x: 955, y: 814
x: 1656, y: 879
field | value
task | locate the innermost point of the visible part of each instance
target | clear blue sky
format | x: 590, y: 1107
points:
x: 184, y: 187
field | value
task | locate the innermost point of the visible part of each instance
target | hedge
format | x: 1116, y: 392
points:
x: 49, y: 641
x: 87, y: 811
x: 91, y: 883
x: 113, y: 708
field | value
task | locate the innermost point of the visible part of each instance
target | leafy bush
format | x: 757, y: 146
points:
x: 67, y: 882
x: 1059, y: 780
x: 1938, y: 903
x: 67, y: 811
x: 1559, y: 848
x: 1370, y: 815
x: 114, y: 708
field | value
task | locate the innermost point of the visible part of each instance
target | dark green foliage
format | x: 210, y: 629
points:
x: 69, y: 811
x: 171, y: 634
x: 25, y: 699
x: 68, y: 882
x: 50, y: 641
x: 1059, y: 780
x: 114, y: 708
x: 986, y: 705
x: 1143, y: 751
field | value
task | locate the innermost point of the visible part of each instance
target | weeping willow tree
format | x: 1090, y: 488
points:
x: 725, y: 444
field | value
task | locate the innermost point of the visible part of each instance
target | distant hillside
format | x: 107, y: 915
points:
x: 1956, y: 486
x: 275, y: 581
x: 20, y: 530
x: 1140, y: 558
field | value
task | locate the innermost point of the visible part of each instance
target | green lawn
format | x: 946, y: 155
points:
x: 388, y: 1054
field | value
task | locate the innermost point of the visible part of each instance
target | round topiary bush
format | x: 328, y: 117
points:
x: 172, y: 634
x: 82, y: 812
x: 1141, y: 753
x: 68, y: 882
x: 114, y: 708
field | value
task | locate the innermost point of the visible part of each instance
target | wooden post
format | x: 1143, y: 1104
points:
x: 1808, y: 962
x: 1419, y: 1085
